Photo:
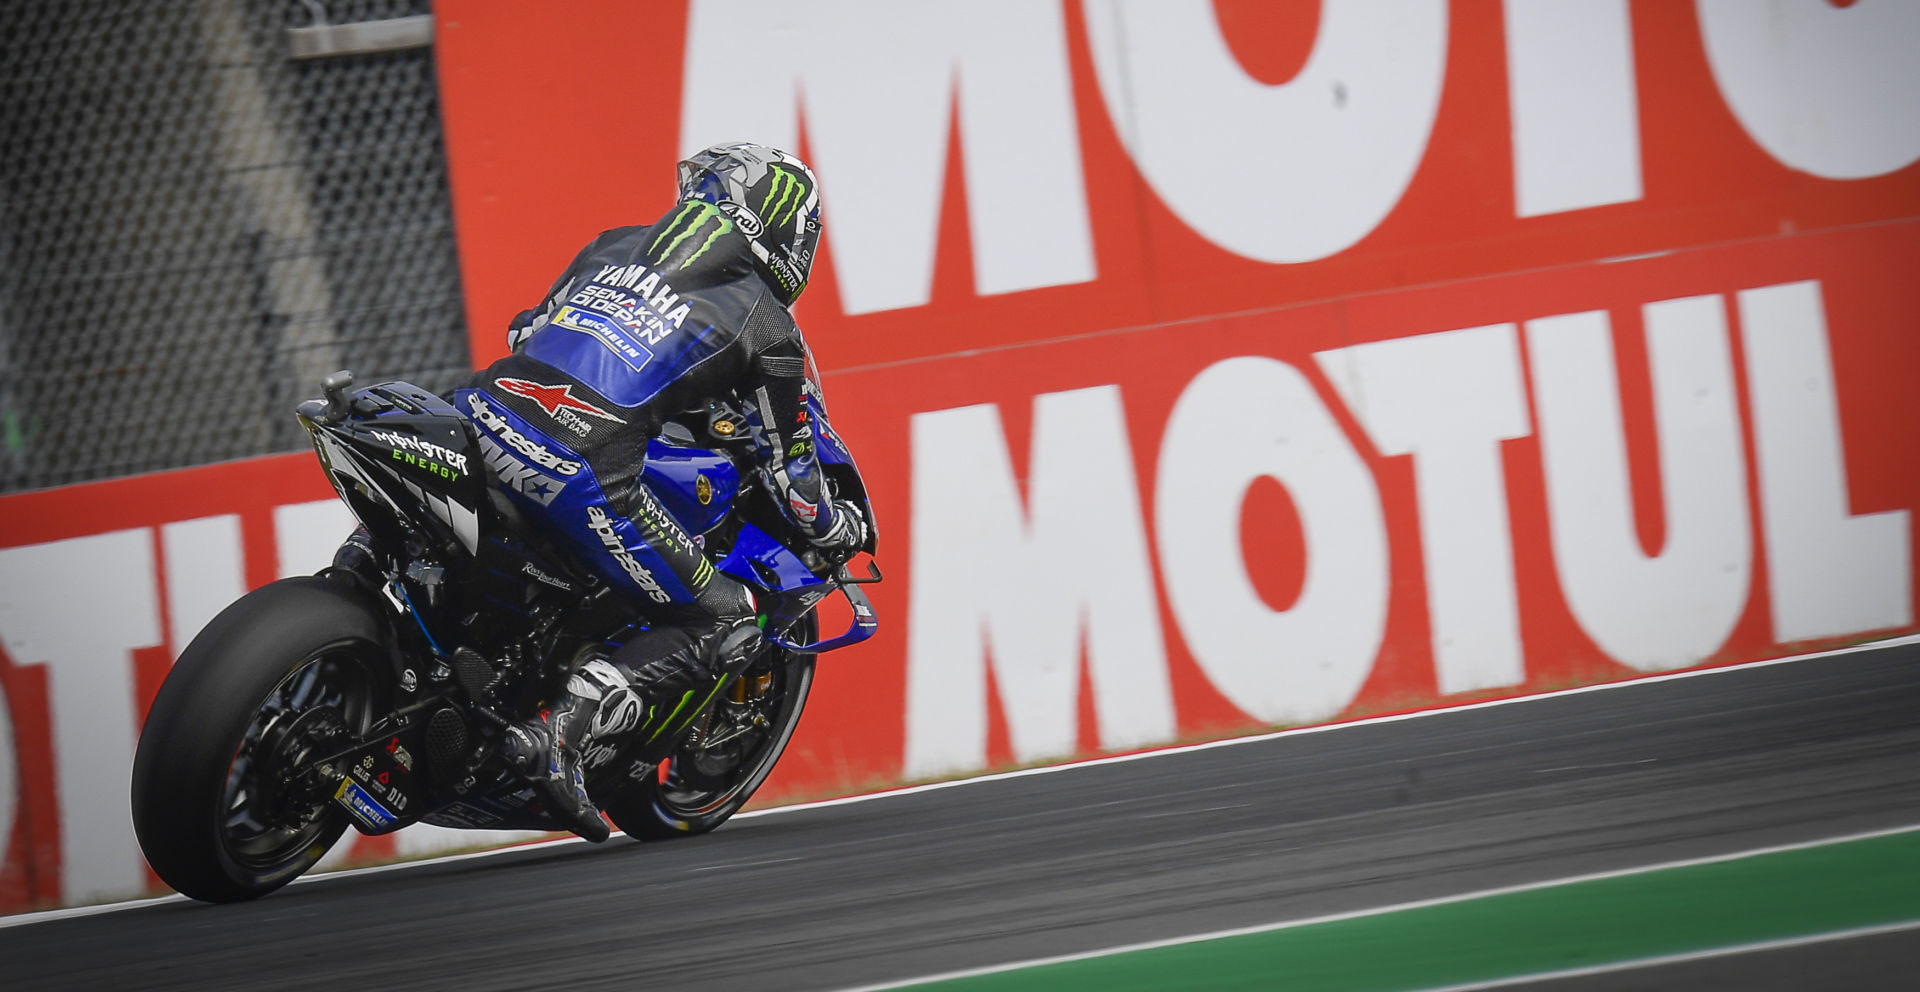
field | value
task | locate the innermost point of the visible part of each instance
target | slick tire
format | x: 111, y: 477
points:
x: 270, y: 646
x: 653, y: 810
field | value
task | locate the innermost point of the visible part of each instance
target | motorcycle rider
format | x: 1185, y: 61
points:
x: 648, y: 322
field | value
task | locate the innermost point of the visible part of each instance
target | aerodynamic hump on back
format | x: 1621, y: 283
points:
x: 403, y: 457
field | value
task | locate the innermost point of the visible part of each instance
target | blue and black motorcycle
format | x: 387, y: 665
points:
x: 376, y: 701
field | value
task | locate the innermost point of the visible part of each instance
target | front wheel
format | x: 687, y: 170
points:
x: 227, y: 802
x: 714, y: 774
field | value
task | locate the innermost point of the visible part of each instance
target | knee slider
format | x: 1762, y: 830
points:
x: 734, y: 649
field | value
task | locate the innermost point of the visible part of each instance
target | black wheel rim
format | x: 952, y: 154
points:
x: 273, y: 809
x: 702, y: 781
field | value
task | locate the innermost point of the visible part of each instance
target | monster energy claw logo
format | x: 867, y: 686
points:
x: 787, y: 191
x: 695, y: 214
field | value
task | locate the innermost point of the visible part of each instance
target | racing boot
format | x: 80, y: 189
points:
x: 547, y: 750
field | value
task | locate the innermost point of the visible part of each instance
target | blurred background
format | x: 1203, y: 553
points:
x: 197, y: 226
x: 1215, y: 364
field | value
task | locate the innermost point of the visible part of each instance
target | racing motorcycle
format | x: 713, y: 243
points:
x: 377, y: 697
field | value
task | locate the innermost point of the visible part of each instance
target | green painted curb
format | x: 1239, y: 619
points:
x: 1579, y: 924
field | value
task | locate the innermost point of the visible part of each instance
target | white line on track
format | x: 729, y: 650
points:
x: 743, y: 864
x: 1666, y: 959
x: 71, y: 912
x: 1396, y: 908
x: 1192, y: 812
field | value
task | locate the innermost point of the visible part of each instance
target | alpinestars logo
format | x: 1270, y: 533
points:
x: 602, y: 527
x: 688, y: 221
x: 559, y: 402
x: 786, y: 190
x: 488, y: 417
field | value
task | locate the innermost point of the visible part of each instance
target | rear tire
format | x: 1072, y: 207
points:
x: 220, y: 804
x: 696, y: 796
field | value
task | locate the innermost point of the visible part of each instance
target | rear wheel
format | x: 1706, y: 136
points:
x: 228, y: 802
x: 714, y: 774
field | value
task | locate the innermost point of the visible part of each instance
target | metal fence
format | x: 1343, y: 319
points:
x: 195, y: 227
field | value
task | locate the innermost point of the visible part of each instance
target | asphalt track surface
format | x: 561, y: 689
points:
x: 1106, y: 854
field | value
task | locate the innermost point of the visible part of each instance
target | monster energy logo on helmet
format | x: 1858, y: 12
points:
x: 786, y: 190
x: 688, y: 221
x: 768, y: 195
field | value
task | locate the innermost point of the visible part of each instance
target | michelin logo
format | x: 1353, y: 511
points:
x: 607, y: 332
x: 363, y: 806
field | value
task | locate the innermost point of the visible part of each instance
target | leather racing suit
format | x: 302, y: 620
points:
x: 646, y: 323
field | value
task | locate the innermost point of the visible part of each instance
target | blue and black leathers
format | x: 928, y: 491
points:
x: 646, y: 323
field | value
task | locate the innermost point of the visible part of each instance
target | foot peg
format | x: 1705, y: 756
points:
x: 474, y: 674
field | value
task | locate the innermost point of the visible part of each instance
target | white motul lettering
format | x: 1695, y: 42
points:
x: 202, y: 567
x: 1674, y: 607
x: 1449, y: 399
x: 306, y: 535
x: 1001, y: 64
x: 1829, y: 572
x: 80, y: 607
x: 1827, y: 88
x: 1575, y: 113
x: 1030, y: 590
x: 1310, y: 166
x: 1306, y: 662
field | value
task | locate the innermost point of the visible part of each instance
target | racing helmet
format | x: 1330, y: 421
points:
x: 771, y: 196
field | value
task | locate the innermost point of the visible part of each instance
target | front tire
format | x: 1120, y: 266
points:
x: 226, y: 803
x: 703, y: 787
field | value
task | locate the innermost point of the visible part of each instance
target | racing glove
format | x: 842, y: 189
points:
x: 847, y: 535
